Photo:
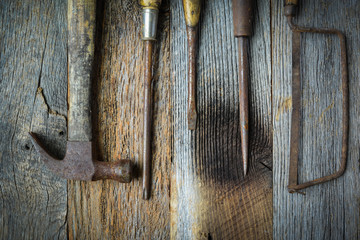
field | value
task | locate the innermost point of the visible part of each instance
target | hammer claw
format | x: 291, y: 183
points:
x: 77, y: 163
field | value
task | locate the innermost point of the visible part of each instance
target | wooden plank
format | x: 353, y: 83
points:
x: 33, y: 73
x: 107, y: 209
x: 330, y: 210
x: 210, y: 198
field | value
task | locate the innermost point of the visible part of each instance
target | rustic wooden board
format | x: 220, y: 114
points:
x: 210, y: 198
x: 330, y: 210
x: 106, y: 209
x: 33, y: 73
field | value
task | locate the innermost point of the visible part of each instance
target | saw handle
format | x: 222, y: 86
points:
x: 242, y: 17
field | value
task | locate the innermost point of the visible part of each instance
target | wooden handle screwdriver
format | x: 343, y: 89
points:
x: 149, y: 25
x: 192, y: 15
x: 242, y: 19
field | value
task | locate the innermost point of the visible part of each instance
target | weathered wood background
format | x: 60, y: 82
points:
x: 211, y: 199
x: 199, y: 191
x: 33, y: 85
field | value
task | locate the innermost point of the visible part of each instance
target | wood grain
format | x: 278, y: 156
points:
x: 330, y: 210
x: 33, y: 41
x: 107, y: 209
x: 206, y: 196
x: 210, y: 198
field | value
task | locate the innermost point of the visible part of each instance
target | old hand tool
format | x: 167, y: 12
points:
x: 290, y: 12
x: 150, y: 14
x: 242, y: 19
x: 192, y: 14
x: 79, y: 162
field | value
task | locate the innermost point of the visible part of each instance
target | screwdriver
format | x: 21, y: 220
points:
x: 150, y: 12
x: 242, y: 19
x: 192, y: 15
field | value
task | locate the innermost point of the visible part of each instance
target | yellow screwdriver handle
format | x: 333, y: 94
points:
x: 192, y: 12
x: 150, y: 3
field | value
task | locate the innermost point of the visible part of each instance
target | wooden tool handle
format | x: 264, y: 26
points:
x: 150, y: 3
x: 291, y: 2
x: 242, y: 17
x: 81, y: 29
x: 121, y: 171
x: 192, y: 12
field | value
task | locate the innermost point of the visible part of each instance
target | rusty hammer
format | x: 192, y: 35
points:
x: 79, y: 162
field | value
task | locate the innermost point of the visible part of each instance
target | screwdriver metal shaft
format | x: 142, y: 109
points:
x: 147, y: 120
x: 192, y: 14
x: 150, y: 18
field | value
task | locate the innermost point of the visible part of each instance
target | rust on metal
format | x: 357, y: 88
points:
x: 192, y: 9
x: 192, y: 37
x: 147, y: 120
x: 244, y: 102
x: 78, y: 163
x: 242, y: 19
x: 290, y: 11
x: 149, y: 28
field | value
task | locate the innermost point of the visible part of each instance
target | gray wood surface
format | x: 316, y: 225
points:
x: 33, y: 43
x: 330, y: 210
x: 210, y: 198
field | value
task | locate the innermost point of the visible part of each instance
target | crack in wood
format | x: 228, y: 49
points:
x: 40, y: 93
x: 266, y: 166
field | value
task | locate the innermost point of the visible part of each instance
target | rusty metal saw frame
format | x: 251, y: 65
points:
x: 294, y: 186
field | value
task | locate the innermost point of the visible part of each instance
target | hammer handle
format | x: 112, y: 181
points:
x: 242, y: 17
x: 121, y: 171
x: 81, y: 35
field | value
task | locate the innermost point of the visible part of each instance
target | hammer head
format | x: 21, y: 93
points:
x: 78, y: 163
